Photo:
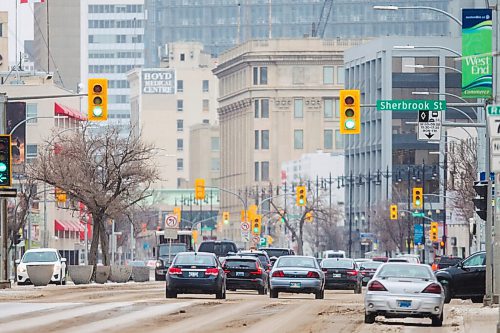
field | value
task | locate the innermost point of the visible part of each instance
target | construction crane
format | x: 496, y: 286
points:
x: 318, y: 30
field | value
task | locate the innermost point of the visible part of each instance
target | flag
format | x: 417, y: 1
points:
x: 31, y: 1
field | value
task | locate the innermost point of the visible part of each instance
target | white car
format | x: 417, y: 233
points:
x: 42, y: 257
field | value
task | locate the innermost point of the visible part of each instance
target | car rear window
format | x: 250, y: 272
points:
x: 277, y: 252
x: 296, y: 262
x: 239, y: 263
x: 329, y: 263
x: 174, y: 249
x: 335, y: 255
x: 219, y: 249
x: 405, y: 271
x: 194, y: 259
x: 370, y: 265
x: 449, y: 261
x: 48, y: 256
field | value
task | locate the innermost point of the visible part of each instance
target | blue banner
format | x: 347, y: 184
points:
x: 418, y: 234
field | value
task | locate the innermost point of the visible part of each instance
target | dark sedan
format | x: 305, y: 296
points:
x: 367, y: 269
x: 341, y: 273
x: 243, y: 272
x: 196, y: 273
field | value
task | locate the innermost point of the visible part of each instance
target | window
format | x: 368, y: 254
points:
x: 180, y: 144
x: 337, y: 108
x: 259, y: 75
x: 265, y: 171
x: 256, y: 171
x: 31, y: 151
x: 328, y: 75
x: 298, y: 108
x: 340, y: 74
x: 215, y: 143
x: 180, y: 85
x: 328, y: 139
x: 257, y: 139
x: 1, y: 29
x: 182, y: 57
x: 298, y: 139
x: 264, y: 139
x: 215, y: 164
x: 328, y: 108
x: 339, y: 142
x: 180, y: 164
x: 474, y: 261
x: 257, y: 108
x: 180, y: 105
x: 180, y: 125
x: 205, y: 85
x: 31, y: 111
x: 264, y: 107
x: 255, y: 75
x: 206, y: 105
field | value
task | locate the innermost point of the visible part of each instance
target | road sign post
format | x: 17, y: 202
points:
x: 429, y: 126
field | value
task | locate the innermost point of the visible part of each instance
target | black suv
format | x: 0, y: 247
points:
x: 219, y: 248
x: 244, y: 272
x: 467, y: 279
x: 275, y: 252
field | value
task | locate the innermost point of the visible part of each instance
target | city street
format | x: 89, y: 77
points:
x: 134, y: 307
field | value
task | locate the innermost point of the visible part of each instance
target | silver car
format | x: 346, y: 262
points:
x: 297, y: 274
x: 399, y: 290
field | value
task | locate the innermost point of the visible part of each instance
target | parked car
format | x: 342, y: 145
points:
x: 297, y: 274
x: 368, y: 269
x: 341, y: 273
x: 165, y: 254
x: 245, y: 272
x: 195, y: 273
x: 43, y: 256
x: 467, y: 279
x: 403, y: 290
x: 219, y: 248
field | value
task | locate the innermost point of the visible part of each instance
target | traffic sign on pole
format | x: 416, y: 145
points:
x: 493, y: 110
x: 245, y: 226
x: 429, y: 126
x: 171, y: 222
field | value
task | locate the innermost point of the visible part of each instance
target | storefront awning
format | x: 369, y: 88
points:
x: 63, y: 110
x: 61, y: 225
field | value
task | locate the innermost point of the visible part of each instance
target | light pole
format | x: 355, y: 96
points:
x: 411, y: 47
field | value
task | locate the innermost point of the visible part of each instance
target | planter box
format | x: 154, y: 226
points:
x: 40, y: 275
x: 120, y: 274
x: 140, y: 274
x: 80, y: 274
x: 102, y: 274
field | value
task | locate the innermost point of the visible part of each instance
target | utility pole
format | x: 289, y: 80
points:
x: 4, y: 262
x: 350, y: 215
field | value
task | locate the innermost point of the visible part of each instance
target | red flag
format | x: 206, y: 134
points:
x: 31, y: 1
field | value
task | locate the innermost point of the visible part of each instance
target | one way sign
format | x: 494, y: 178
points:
x: 429, y: 126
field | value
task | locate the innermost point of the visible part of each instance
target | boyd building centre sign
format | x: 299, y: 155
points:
x: 158, y: 81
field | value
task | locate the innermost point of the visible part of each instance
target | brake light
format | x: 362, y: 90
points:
x: 227, y: 271
x: 433, y: 288
x: 278, y: 274
x: 212, y: 271
x: 313, y: 275
x: 257, y: 272
x: 352, y: 272
x: 174, y: 271
x: 376, y: 286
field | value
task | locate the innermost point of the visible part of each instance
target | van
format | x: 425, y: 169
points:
x: 333, y: 254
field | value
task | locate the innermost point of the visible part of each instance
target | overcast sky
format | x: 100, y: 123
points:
x: 24, y: 27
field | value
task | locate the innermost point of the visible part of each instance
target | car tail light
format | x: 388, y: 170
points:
x: 433, y: 288
x: 376, y: 286
x: 257, y: 272
x: 227, y: 271
x: 212, y: 271
x: 278, y: 274
x: 352, y: 272
x: 174, y: 271
x: 313, y: 275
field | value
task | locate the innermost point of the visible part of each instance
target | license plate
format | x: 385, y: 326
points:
x: 295, y: 285
x: 193, y: 274
x: 336, y: 275
x: 240, y: 273
x: 404, y: 304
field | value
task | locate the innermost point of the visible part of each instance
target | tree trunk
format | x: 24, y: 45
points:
x: 95, y: 241
x: 104, y: 245
x: 300, y: 238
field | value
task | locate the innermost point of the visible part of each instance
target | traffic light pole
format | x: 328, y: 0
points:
x: 4, y: 265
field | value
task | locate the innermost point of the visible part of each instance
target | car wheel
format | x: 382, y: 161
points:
x: 273, y: 293
x: 369, y: 318
x: 171, y: 294
x: 447, y: 293
x: 477, y: 299
x: 437, y: 321
x: 262, y: 291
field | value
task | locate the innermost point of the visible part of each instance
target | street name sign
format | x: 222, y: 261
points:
x: 429, y: 126
x: 418, y: 214
x: 493, y: 110
x: 410, y: 105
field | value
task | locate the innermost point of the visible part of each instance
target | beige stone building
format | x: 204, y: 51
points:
x: 4, y: 41
x: 278, y: 100
x: 204, y: 153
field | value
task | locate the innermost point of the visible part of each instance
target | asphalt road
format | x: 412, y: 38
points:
x: 142, y: 307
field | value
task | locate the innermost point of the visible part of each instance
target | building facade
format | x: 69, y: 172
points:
x: 278, y: 101
x: 4, y: 41
x: 204, y: 154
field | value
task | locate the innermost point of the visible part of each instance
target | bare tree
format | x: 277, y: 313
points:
x: 19, y: 208
x: 325, y: 231
x: 107, y: 172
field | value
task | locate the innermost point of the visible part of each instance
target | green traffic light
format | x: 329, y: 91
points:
x: 417, y: 202
x: 349, y: 124
x: 301, y: 201
x: 97, y: 111
x: 226, y: 221
x: 255, y: 230
x: 3, y: 167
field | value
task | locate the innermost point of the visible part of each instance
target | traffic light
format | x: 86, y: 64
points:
x: 199, y: 189
x: 480, y: 201
x: 256, y: 225
x: 61, y: 196
x: 225, y: 217
x: 309, y: 217
x: 17, y: 237
x: 177, y: 213
x: 194, y: 235
x: 301, y: 195
x: 418, y: 198
x: 433, y: 232
x: 252, y: 212
x: 98, y: 99
x: 350, y: 112
x: 5, y: 161
x: 243, y: 216
x: 394, y: 212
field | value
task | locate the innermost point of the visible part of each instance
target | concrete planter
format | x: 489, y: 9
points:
x: 120, y: 274
x: 80, y: 274
x: 140, y: 274
x: 102, y: 274
x: 40, y: 275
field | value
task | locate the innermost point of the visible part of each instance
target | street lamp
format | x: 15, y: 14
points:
x: 431, y: 66
x: 411, y: 47
x: 419, y: 7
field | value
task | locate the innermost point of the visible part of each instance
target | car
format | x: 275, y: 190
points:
x: 444, y: 262
x: 359, y: 261
x: 400, y: 290
x: 165, y: 254
x: 465, y: 280
x: 297, y: 274
x: 275, y: 252
x: 43, y: 256
x: 261, y: 255
x: 341, y: 273
x: 412, y: 258
x: 245, y: 272
x: 219, y: 248
x: 367, y: 270
x: 405, y: 260
x: 381, y: 259
x: 195, y: 273
x: 334, y: 254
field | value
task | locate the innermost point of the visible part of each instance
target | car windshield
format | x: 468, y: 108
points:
x: 333, y: 263
x: 174, y: 249
x: 296, y: 262
x: 48, y: 256
x: 277, y: 252
x: 370, y: 265
x: 405, y: 271
x: 219, y: 249
x: 194, y: 259
x: 240, y: 263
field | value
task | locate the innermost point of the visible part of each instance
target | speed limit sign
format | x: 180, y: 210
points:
x: 171, y: 222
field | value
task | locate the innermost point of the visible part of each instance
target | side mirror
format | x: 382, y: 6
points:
x: 63, y: 259
x: 17, y: 261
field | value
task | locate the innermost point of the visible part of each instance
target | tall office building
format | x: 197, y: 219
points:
x: 221, y: 24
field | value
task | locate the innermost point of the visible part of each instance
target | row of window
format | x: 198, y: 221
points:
x: 113, y: 55
x: 330, y: 108
x: 95, y: 69
x: 260, y: 76
x: 119, y: 39
x: 116, y: 8
x: 328, y: 75
x: 204, y: 85
x: 104, y: 24
x: 261, y: 139
x: 205, y: 105
x: 214, y: 164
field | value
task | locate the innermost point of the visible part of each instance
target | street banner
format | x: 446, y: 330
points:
x: 16, y: 116
x: 477, y: 64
